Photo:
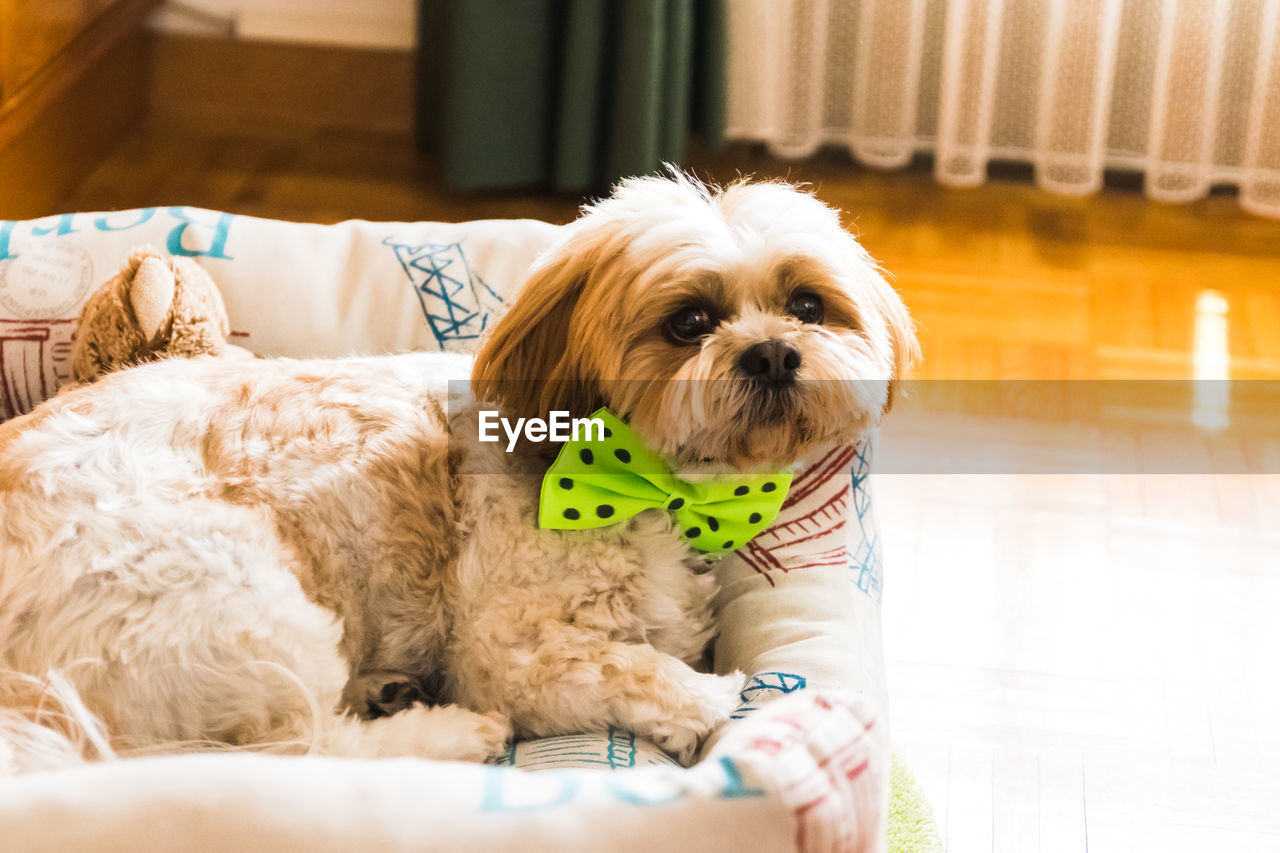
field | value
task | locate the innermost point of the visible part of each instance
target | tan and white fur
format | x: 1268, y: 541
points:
x: 266, y: 554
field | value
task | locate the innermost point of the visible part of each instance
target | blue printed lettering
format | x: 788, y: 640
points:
x: 499, y: 795
x: 6, y: 231
x: 176, y: 243
x: 103, y: 223
x: 628, y: 795
x: 65, y: 226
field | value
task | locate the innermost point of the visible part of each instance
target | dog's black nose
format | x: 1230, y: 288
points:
x: 771, y: 363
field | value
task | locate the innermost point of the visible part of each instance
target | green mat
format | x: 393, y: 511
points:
x: 911, y: 826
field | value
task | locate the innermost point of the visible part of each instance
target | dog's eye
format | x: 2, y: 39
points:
x: 690, y: 325
x: 805, y: 307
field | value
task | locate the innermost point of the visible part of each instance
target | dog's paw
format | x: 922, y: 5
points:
x: 708, y: 703
x: 458, y: 734
x: 490, y: 737
x: 443, y: 733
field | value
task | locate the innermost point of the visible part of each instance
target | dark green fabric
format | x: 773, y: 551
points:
x: 572, y: 94
x: 711, y: 94
x: 677, y: 79
x: 579, y: 130
x: 494, y: 110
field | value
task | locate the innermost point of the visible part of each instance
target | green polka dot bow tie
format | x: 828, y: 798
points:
x: 597, y: 481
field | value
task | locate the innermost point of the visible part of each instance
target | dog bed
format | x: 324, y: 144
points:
x: 805, y: 763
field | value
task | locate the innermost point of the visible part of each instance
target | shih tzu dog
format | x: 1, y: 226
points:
x: 287, y: 554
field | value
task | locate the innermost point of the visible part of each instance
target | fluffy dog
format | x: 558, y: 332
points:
x: 277, y: 553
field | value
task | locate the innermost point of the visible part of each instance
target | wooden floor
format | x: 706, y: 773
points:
x: 1084, y: 648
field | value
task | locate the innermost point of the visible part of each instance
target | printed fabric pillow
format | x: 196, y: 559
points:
x: 291, y: 289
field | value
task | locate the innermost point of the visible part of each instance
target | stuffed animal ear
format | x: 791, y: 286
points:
x: 151, y: 297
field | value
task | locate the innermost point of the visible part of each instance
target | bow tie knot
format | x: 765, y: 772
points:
x: 596, y: 483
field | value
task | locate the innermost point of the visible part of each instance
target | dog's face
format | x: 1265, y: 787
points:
x: 736, y: 328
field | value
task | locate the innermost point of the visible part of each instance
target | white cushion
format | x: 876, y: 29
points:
x: 802, y: 775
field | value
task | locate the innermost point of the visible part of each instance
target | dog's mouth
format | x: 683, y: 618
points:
x: 776, y: 428
x: 768, y: 430
x: 770, y: 406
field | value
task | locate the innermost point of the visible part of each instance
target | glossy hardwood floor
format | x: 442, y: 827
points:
x: 1083, y: 577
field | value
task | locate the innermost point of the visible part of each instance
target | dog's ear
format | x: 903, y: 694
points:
x: 902, y: 334
x: 526, y: 364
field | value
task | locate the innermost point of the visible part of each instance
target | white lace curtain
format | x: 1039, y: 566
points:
x: 1185, y: 91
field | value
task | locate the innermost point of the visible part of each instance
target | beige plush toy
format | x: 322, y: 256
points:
x: 155, y: 307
